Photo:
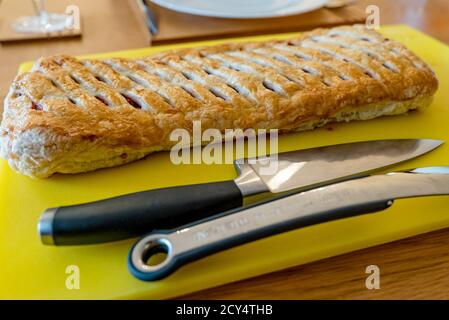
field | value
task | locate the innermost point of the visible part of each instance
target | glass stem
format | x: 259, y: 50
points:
x: 39, y: 8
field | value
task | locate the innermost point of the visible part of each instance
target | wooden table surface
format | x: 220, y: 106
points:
x: 417, y: 267
x: 176, y: 26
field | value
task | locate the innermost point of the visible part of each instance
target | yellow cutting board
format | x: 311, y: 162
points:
x: 30, y: 270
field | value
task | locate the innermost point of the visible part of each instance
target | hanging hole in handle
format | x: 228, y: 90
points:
x: 155, y: 254
x: 152, y: 254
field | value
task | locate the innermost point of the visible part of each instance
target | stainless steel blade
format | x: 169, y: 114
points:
x: 312, y: 167
x: 336, y: 201
x: 413, y: 183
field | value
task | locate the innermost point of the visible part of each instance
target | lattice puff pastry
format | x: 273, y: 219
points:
x: 71, y: 115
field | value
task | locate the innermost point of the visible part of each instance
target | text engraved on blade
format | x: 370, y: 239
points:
x: 272, y: 214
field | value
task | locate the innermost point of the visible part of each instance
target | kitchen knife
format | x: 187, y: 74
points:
x: 230, y: 229
x: 138, y: 213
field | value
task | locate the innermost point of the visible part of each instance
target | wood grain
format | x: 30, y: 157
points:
x: 412, y: 268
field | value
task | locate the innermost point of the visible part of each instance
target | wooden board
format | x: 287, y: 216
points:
x: 31, y: 270
x: 176, y: 27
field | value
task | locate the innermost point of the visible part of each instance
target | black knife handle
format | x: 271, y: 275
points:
x: 136, y: 214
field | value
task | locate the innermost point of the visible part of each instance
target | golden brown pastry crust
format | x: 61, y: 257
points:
x: 71, y: 115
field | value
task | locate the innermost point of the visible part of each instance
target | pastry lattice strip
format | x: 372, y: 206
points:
x: 130, y: 106
x: 283, y: 68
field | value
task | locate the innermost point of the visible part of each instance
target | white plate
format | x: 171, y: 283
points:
x: 242, y: 8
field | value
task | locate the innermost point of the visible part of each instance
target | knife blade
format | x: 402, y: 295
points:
x: 138, y: 213
x: 230, y: 229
